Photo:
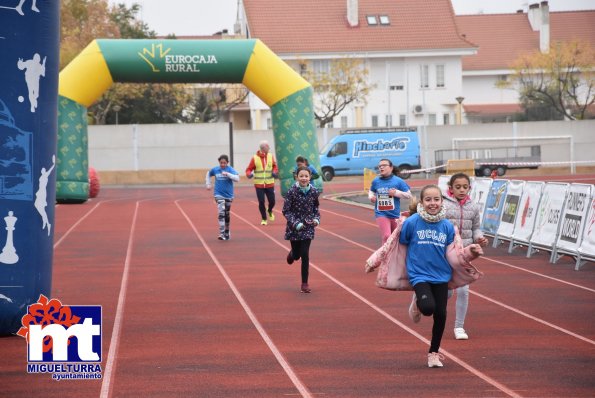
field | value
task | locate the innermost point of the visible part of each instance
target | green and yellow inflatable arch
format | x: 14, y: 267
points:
x: 250, y: 62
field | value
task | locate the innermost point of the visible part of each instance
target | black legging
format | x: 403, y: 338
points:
x: 301, y: 249
x: 431, y: 300
x: 270, y: 194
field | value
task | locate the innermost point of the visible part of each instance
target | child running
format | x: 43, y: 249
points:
x: 225, y: 175
x: 385, y: 192
x: 428, y: 235
x: 464, y: 214
x: 302, y: 161
x: 302, y: 214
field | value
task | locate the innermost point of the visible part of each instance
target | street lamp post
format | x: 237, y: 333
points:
x: 460, y: 110
x: 117, y: 109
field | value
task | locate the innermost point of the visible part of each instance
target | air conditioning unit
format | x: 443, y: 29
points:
x: 418, y: 109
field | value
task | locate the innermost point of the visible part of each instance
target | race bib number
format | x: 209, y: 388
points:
x: 385, y: 202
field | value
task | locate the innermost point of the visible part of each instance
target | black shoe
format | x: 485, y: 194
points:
x: 290, y: 258
x: 226, y: 234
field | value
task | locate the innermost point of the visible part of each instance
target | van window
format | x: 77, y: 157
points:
x: 340, y: 148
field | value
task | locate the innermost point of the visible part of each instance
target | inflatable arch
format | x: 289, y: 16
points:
x: 250, y: 62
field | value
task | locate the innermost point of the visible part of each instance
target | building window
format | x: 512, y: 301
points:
x: 321, y: 66
x: 372, y: 20
x: 384, y: 20
x: 374, y: 120
x: 389, y: 120
x: 439, y: 75
x: 344, y: 122
x: 402, y: 120
x: 432, y: 119
x: 424, y: 78
x: 303, y: 68
x: 446, y: 119
x: 330, y: 124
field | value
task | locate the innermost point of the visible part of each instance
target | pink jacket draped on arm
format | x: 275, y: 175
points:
x: 392, y: 269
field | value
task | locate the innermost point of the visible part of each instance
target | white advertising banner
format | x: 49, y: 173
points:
x: 443, y: 184
x: 479, y: 193
x: 587, y: 247
x: 525, y: 220
x: 574, y: 216
x: 549, y: 214
x: 514, y: 192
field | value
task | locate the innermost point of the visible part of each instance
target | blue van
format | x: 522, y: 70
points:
x: 353, y: 150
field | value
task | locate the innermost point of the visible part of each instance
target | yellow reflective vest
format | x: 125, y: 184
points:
x: 263, y: 174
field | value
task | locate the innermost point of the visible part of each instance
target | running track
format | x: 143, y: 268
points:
x: 187, y: 315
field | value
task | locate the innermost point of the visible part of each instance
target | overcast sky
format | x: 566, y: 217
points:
x: 205, y: 17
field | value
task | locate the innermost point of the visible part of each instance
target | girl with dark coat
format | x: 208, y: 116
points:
x: 302, y: 214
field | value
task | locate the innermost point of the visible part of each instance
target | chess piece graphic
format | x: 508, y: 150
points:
x: 41, y: 195
x: 9, y: 253
x: 34, y: 69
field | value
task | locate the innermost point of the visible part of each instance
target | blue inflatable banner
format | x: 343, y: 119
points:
x: 29, y: 62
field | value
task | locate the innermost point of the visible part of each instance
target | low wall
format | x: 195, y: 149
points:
x: 181, y: 153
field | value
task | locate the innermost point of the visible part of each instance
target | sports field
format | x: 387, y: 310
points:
x: 187, y: 315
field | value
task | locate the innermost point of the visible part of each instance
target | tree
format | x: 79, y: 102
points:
x: 139, y: 102
x: 128, y: 25
x: 345, y: 82
x: 210, y: 103
x: 82, y: 21
x: 561, y: 79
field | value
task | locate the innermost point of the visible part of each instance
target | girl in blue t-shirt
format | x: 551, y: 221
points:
x: 385, y: 192
x: 225, y: 175
x: 427, y: 235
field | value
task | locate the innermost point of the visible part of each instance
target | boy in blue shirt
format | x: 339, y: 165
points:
x: 225, y: 176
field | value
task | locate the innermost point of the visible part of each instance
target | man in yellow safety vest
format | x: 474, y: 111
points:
x: 263, y: 168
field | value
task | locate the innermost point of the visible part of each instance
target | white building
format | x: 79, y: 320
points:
x: 412, y: 51
x: 422, y: 58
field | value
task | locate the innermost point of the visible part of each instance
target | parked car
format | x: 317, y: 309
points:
x: 352, y: 151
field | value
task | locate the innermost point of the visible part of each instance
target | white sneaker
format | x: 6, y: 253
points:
x: 460, y: 334
x: 414, y: 312
x: 434, y: 360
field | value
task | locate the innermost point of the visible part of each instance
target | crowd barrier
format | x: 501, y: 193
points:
x: 551, y: 216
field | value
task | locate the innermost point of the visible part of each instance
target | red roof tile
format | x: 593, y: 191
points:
x: 306, y: 26
x: 503, y: 37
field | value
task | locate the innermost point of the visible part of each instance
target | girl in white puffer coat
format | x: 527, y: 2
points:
x: 464, y: 214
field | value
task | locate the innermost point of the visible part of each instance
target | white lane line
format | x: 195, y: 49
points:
x: 76, y: 224
x: 568, y: 332
x: 269, y: 342
x: 106, y: 385
x: 454, y: 358
x: 538, y: 274
x: 110, y: 363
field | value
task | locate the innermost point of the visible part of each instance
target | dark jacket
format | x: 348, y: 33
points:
x: 300, y: 207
